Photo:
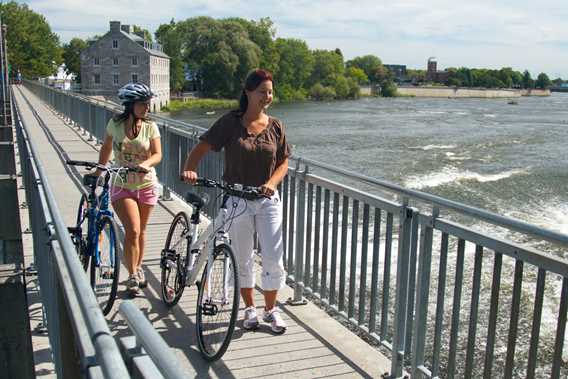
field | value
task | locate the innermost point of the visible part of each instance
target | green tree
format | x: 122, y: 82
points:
x: 296, y: 62
x: 357, y: 74
x: 528, y: 82
x: 143, y: 33
x: 170, y: 38
x: 328, y: 67
x: 542, y: 81
x: 33, y: 48
x: 72, y: 57
x: 369, y: 64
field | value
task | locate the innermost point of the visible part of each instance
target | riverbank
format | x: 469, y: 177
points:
x: 456, y: 92
x: 200, y: 104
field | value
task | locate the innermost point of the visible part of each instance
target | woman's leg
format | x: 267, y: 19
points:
x: 145, y: 211
x: 129, y: 214
x: 269, y: 231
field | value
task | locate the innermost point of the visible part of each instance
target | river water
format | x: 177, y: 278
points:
x: 508, y: 159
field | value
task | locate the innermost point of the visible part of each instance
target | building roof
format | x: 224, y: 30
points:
x: 137, y: 39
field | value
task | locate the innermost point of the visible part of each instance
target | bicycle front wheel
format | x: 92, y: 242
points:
x: 172, y: 261
x: 105, y: 265
x: 80, y: 233
x: 217, y: 303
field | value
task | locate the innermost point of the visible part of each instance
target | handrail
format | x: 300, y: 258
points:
x: 104, y: 343
x: 151, y: 341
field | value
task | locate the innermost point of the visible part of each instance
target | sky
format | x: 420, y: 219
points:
x: 522, y: 34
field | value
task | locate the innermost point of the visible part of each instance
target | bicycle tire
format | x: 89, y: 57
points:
x: 216, y: 317
x: 172, y: 278
x: 79, y: 238
x: 108, y: 267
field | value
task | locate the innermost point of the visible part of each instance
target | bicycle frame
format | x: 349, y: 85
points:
x: 98, y: 207
x: 214, y: 235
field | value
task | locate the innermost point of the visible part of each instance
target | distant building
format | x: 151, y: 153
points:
x: 398, y: 71
x: 432, y: 73
x: 120, y: 57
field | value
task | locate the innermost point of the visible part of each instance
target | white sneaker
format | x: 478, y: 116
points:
x: 132, y: 284
x: 277, y: 324
x: 251, y: 319
x: 142, y: 282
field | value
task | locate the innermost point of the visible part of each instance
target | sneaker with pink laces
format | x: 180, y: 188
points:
x: 277, y: 324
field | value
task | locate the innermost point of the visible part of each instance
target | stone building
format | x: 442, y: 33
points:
x: 120, y: 57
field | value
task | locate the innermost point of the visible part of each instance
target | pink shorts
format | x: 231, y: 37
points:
x: 148, y: 195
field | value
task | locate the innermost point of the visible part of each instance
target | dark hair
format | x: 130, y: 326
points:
x: 251, y: 83
x: 128, y: 110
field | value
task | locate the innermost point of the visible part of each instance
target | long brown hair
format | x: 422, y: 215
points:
x: 251, y: 83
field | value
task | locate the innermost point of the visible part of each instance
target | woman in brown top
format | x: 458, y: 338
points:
x: 256, y: 154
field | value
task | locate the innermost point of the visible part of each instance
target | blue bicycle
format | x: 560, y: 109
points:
x: 96, y: 243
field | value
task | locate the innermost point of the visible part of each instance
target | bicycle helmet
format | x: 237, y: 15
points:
x: 133, y: 92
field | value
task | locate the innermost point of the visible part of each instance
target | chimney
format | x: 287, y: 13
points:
x: 115, y: 26
x: 126, y: 29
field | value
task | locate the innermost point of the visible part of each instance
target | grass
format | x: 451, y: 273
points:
x: 204, y: 104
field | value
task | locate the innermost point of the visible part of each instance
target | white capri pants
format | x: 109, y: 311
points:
x: 265, y: 216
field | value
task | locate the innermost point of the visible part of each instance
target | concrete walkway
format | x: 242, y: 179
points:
x: 314, y: 346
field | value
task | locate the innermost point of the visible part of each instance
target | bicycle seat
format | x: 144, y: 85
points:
x: 198, y: 201
x: 90, y: 180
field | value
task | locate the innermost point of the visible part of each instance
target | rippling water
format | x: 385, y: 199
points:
x: 508, y: 159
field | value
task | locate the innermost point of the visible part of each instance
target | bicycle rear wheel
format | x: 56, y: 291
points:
x: 217, y: 303
x: 173, y: 258
x: 80, y: 233
x: 105, y: 270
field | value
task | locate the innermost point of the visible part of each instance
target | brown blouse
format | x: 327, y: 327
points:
x: 249, y: 160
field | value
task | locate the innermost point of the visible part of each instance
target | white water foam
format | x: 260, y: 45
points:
x: 433, y: 147
x: 451, y: 174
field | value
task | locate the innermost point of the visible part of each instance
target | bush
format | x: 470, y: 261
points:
x: 388, y: 90
x: 287, y: 93
x: 341, y: 87
x: 321, y: 93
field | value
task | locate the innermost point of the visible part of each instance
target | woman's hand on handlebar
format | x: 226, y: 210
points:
x: 144, y: 167
x: 188, y: 176
x: 267, y: 189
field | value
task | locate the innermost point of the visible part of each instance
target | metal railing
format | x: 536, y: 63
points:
x: 80, y: 340
x: 398, y: 270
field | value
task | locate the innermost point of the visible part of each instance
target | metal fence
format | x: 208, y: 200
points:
x: 81, y: 342
x: 446, y: 297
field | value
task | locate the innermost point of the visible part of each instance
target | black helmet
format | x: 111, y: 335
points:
x: 133, y: 92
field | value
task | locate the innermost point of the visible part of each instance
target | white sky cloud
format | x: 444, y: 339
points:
x: 523, y: 34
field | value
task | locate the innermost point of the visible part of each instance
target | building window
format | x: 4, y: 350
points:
x: 97, y: 61
x: 115, y: 44
x: 97, y: 78
x: 115, y: 61
x: 134, y: 78
x: 115, y: 79
x: 135, y: 60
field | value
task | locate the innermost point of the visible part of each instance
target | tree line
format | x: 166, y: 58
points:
x: 215, y: 55
x: 506, y: 77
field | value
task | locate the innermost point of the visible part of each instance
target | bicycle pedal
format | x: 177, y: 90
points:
x: 107, y: 275
x: 209, y: 309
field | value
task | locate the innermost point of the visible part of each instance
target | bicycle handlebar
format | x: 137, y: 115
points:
x: 92, y: 165
x: 237, y: 190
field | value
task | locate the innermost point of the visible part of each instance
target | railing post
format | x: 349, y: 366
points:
x: 166, y: 195
x: 300, y: 243
x: 400, y: 315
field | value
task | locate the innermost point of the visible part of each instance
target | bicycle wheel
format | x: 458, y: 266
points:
x: 80, y: 233
x: 217, y: 303
x: 105, y: 270
x: 173, y: 258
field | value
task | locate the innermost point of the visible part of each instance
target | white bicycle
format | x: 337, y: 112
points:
x: 183, y: 258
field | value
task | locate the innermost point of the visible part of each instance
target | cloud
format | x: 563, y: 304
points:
x: 483, y: 33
